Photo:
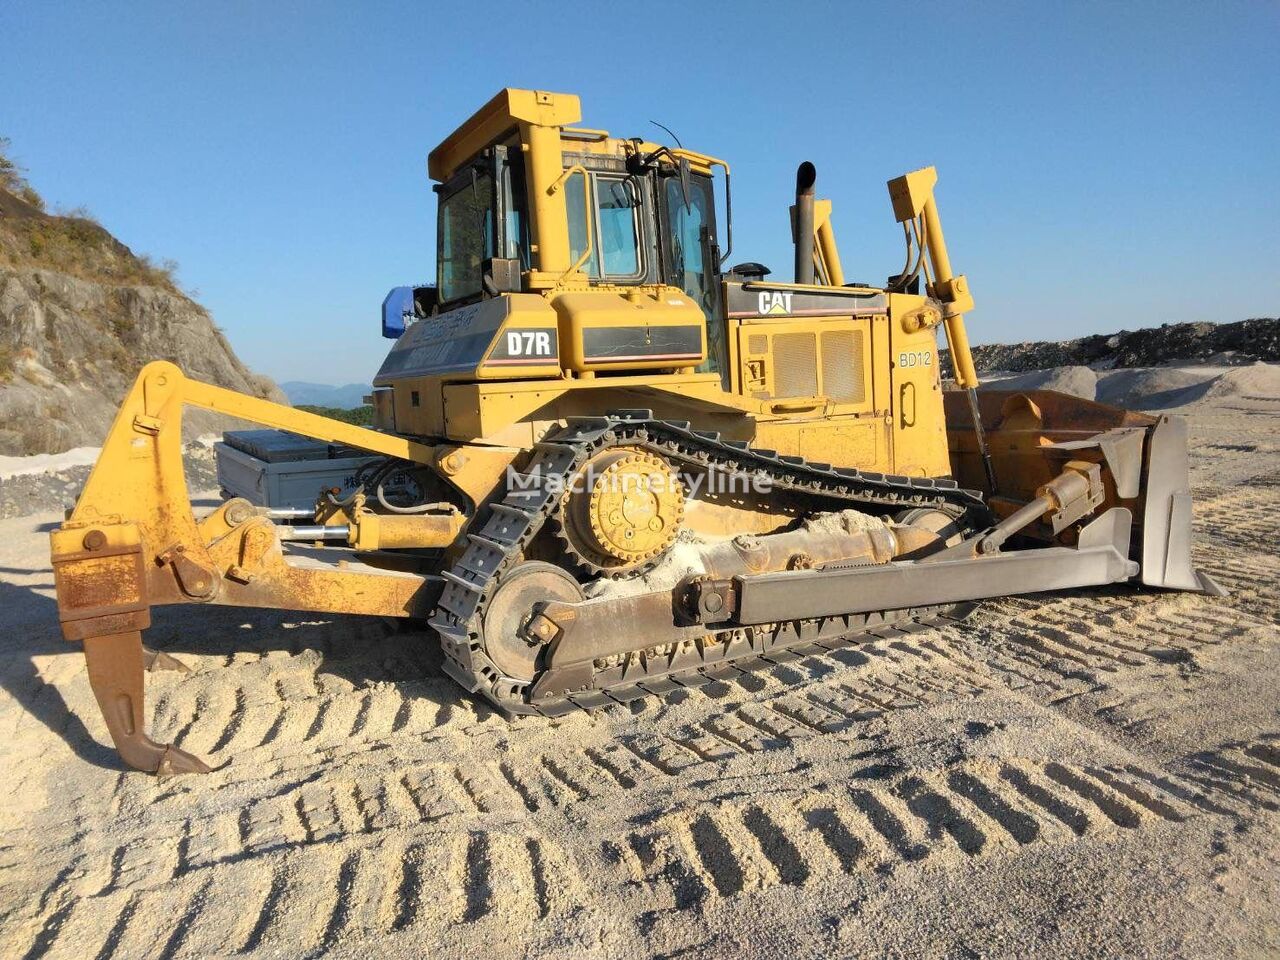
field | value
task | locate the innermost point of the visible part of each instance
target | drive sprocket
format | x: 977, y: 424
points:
x: 622, y: 512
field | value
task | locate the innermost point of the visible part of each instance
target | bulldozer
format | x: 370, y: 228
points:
x: 622, y: 467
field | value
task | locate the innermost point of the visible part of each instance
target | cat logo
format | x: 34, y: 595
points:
x: 774, y: 302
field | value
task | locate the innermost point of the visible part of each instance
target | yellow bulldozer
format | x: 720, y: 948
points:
x: 630, y: 468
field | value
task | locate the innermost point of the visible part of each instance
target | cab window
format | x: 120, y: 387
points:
x: 615, y: 226
x: 685, y: 244
x: 515, y: 233
x: 466, y: 237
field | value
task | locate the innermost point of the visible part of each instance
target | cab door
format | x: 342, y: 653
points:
x: 689, y: 258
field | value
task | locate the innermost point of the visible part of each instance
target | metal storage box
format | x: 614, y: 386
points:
x: 273, y: 468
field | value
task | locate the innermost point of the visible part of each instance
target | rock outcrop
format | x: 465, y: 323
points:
x: 80, y: 314
x: 1227, y: 344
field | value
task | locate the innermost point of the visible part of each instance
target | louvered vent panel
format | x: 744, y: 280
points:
x: 795, y: 358
x: 842, y: 366
x: 757, y: 343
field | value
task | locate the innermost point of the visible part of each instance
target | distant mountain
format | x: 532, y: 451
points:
x: 326, y: 395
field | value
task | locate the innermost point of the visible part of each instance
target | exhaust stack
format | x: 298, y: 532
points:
x: 806, y: 175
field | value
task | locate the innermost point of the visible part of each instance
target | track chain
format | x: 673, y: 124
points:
x: 515, y: 519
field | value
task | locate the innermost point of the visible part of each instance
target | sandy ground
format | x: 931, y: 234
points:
x: 1095, y: 773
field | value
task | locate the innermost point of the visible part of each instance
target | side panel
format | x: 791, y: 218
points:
x: 816, y: 360
x: 644, y: 329
x: 519, y: 412
x: 915, y: 386
x: 507, y: 337
x: 456, y: 344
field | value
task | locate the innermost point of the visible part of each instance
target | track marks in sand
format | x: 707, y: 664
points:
x: 1244, y: 776
x: 972, y: 810
x: 1061, y: 646
x: 308, y: 901
x: 325, y: 862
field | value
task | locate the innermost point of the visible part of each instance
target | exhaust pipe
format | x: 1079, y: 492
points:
x: 806, y: 175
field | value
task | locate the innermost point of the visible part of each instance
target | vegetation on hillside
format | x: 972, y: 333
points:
x: 13, y: 178
x: 71, y: 241
x: 360, y: 416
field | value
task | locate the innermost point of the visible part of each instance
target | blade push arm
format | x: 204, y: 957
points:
x: 913, y: 203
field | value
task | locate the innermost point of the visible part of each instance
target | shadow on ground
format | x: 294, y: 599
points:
x: 359, y: 650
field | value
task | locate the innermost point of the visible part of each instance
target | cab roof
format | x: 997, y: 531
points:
x: 496, y: 119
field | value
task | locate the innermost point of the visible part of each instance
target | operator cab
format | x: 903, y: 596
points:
x: 651, y: 225
x: 637, y: 216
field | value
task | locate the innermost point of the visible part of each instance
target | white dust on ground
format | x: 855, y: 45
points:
x: 1091, y: 773
x: 47, y: 462
x: 39, y: 463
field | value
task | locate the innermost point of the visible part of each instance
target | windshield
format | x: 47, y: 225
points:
x: 466, y: 237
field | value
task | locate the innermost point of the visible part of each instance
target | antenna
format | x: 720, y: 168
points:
x: 668, y: 129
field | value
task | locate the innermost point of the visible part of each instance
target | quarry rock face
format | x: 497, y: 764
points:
x: 1242, y: 342
x: 79, y: 316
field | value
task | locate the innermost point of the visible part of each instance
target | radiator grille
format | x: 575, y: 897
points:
x: 796, y: 365
x: 842, y: 366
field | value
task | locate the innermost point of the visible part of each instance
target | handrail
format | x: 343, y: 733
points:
x: 560, y: 181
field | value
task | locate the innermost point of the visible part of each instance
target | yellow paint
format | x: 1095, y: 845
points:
x: 474, y: 424
x: 913, y: 202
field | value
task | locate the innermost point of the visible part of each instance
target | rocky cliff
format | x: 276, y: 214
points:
x: 1242, y: 342
x: 80, y: 313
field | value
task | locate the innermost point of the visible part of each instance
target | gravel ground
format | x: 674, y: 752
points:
x: 30, y: 493
x: 1092, y: 773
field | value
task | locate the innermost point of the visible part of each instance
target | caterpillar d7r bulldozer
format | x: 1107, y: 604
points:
x: 629, y: 468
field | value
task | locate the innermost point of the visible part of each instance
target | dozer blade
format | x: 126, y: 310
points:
x: 1032, y: 432
x: 1166, y: 530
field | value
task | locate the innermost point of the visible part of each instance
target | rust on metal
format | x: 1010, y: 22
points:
x: 115, y: 665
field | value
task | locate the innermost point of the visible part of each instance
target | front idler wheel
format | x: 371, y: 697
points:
x: 506, y: 642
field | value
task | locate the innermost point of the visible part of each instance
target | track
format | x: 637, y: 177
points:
x: 1090, y: 772
x: 515, y: 520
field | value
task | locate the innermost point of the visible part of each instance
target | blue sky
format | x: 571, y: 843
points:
x: 1102, y: 165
